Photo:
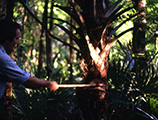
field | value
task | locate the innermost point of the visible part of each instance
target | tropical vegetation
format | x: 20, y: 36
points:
x: 85, y: 41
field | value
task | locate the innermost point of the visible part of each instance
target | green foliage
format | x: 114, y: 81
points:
x: 42, y: 104
x: 153, y: 100
x: 131, y: 88
x: 28, y: 104
x: 152, y: 23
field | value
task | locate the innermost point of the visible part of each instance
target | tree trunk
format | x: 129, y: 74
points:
x: 49, y: 41
x: 94, y: 101
x: 41, y: 48
x: 8, y: 93
x: 156, y: 42
x: 71, y: 50
x: 8, y: 101
x: 41, y: 52
x: 97, y: 38
x: 139, y: 29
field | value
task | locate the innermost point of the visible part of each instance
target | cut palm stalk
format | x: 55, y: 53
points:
x: 80, y: 85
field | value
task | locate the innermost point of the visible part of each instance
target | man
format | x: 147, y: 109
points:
x: 9, y: 71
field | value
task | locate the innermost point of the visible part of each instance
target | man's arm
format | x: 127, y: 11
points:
x: 34, y: 82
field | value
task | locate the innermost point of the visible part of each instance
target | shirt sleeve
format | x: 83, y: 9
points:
x: 12, y: 71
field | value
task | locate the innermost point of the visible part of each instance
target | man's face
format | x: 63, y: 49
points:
x: 12, y: 45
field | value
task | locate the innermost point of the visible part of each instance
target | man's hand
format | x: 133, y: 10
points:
x: 34, y: 82
x: 53, y: 85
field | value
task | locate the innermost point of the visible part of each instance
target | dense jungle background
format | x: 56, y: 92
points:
x: 114, y: 42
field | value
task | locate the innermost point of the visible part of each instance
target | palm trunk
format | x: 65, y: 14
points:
x: 94, y: 101
x: 96, y: 41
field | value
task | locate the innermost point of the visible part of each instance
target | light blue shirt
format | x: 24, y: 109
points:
x: 9, y: 71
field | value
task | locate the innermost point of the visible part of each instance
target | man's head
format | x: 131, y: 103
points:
x: 9, y: 34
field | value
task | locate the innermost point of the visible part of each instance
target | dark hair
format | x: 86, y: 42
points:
x: 8, y: 29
